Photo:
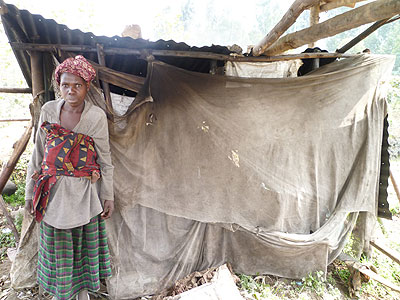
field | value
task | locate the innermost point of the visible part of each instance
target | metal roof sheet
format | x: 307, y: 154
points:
x: 23, y: 27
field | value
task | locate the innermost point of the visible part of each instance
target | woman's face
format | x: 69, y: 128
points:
x: 73, y: 89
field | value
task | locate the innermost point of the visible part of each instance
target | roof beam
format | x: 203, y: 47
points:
x: 192, y: 54
x: 287, y: 20
x: 365, y: 14
x: 16, y: 90
x: 339, y: 3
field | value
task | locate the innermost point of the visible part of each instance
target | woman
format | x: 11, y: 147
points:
x: 69, y: 187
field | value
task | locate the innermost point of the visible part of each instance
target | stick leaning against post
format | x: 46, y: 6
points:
x: 19, y: 148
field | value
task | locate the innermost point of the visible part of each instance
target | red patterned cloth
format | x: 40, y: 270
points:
x: 66, y: 154
x: 78, y: 66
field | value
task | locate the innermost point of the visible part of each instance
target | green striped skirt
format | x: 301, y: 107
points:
x: 71, y: 260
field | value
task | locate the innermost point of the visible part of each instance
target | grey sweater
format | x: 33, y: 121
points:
x: 74, y: 201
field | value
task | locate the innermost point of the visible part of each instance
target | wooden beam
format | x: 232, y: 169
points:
x: 362, y: 36
x: 287, y: 20
x: 371, y: 12
x: 123, y: 80
x: 192, y: 54
x: 14, y: 120
x: 16, y: 90
x: 394, y: 255
x: 338, y: 3
x: 106, y: 88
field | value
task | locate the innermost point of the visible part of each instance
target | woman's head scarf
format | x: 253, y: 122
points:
x: 78, y: 66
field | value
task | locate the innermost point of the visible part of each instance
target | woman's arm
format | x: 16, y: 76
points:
x: 102, y: 146
x: 34, y: 165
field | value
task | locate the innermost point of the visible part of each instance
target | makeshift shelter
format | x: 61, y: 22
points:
x: 269, y: 174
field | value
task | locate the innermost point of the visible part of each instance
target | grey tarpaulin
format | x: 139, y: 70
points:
x: 267, y: 174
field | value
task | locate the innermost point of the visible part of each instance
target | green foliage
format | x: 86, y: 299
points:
x: 19, y: 178
x: 315, y: 282
x: 17, y: 199
x: 6, y: 241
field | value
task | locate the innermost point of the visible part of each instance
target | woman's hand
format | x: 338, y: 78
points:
x: 108, y: 209
x: 29, y: 206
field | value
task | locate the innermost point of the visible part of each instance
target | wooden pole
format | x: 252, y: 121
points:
x: 314, y: 19
x: 396, y: 188
x: 362, y: 36
x: 9, y: 219
x: 16, y: 90
x: 5, y: 174
x: 365, y: 14
x: 37, y: 87
x: 106, y: 88
x: 192, y: 54
x: 14, y: 120
x: 287, y: 20
x: 394, y: 255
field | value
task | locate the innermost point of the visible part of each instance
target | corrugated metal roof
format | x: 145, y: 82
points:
x: 22, y: 26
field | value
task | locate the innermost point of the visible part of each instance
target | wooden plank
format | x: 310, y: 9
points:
x: 106, y: 87
x: 394, y: 255
x: 287, y: 20
x: 192, y: 54
x: 362, y: 35
x: 371, y: 12
x: 14, y: 120
x: 16, y: 90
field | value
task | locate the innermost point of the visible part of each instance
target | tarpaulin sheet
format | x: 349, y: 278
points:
x: 267, y: 174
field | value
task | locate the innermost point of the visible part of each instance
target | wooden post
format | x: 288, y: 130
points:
x: 213, y: 67
x: 371, y: 12
x: 362, y: 35
x: 106, y: 87
x: 314, y: 19
x: 37, y: 87
x: 287, y: 20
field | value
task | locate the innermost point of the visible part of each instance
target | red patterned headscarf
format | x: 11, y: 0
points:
x: 78, y: 66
